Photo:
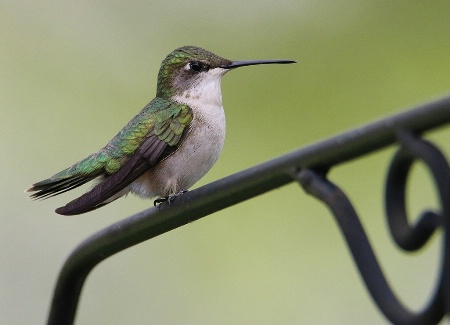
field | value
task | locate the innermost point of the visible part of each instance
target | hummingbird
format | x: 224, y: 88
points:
x: 167, y: 147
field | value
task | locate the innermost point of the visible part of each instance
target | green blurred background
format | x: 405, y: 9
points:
x: 73, y: 73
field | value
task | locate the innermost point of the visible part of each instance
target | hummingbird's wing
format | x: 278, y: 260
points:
x: 148, y: 138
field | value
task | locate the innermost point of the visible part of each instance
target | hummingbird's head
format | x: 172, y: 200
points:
x: 192, y: 73
x: 188, y: 68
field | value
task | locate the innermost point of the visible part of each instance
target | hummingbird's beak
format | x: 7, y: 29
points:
x: 237, y: 64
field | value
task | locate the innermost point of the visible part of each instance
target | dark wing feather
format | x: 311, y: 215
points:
x: 150, y: 152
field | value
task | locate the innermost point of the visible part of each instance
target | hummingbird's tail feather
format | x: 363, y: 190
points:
x: 55, y: 186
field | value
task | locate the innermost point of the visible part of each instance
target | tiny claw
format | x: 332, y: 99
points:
x: 159, y: 201
x: 169, y: 198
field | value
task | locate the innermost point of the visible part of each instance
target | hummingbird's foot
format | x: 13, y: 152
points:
x: 169, y: 198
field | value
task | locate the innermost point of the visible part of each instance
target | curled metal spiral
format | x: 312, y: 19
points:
x: 408, y: 237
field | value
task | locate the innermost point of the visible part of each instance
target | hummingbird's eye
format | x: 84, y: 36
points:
x: 196, y: 66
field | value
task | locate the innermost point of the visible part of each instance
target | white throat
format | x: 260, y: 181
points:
x: 205, y: 91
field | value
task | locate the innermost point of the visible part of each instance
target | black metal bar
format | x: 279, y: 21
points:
x: 229, y: 191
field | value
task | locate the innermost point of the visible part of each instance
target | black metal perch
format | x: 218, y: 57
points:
x: 308, y: 166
